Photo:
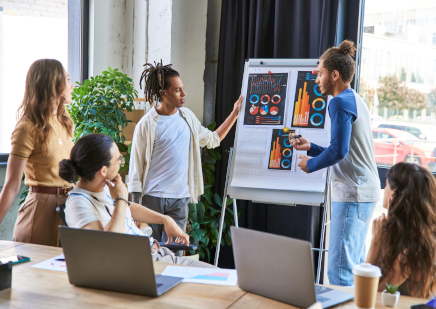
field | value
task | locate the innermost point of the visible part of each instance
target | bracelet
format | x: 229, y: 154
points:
x: 122, y: 199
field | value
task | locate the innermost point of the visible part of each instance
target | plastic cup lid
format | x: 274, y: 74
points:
x: 367, y: 270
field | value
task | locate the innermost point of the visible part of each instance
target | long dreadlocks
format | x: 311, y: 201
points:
x: 157, y: 78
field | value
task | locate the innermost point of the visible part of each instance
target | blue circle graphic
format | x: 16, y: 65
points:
x: 289, y: 163
x: 290, y: 153
x: 319, y: 108
x: 315, y: 91
x: 254, y: 95
x: 316, y: 123
x: 287, y: 145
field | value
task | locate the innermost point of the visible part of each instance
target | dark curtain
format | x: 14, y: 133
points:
x: 268, y: 29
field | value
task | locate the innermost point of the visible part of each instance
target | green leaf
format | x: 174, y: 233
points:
x: 209, y: 199
x: 214, y: 224
x: 217, y: 199
x: 214, y: 233
x: 212, y: 126
x: 211, y: 167
x: 122, y: 147
x: 193, y: 212
x: 209, y: 160
x: 200, y: 211
x: 229, y: 201
x: 195, y: 226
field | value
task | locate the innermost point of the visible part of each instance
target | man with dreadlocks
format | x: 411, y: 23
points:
x: 165, y: 171
x: 355, y: 181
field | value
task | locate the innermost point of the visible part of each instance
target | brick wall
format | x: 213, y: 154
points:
x: 46, y: 8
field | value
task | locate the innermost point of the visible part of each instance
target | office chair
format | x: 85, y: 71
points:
x: 172, y: 246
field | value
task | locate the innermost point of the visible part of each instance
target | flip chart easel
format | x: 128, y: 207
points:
x: 244, y: 181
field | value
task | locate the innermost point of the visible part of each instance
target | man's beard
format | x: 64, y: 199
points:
x: 327, y: 88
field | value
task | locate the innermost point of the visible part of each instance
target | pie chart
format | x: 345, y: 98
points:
x: 254, y: 110
x: 264, y: 110
x: 274, y: 110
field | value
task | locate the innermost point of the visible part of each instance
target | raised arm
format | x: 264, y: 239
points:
x: 14, y: 174
x: 223, y: 129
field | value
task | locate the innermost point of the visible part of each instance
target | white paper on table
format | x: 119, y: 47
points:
x: 57, y: 264
x: 218, y: 276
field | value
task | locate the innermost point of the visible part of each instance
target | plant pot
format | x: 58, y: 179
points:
x: 390, y: 300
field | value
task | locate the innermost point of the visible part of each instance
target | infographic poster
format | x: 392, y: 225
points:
x: 281, y: 151
x: 266, y: 99
x: 309, y: 105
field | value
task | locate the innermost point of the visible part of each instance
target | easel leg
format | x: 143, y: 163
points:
x: 321, y: 246
x: 220, y: 233
x: 235, y: 213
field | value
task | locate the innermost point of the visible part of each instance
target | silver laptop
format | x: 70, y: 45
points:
x: 280, y: 268
x: 112, y: 261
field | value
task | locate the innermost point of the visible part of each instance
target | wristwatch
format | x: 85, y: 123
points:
x: 122, y: 199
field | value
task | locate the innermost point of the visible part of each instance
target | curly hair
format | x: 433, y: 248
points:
x: 157, y: 78
x: 341, y: 59
x: 45, y: 83
x: 409, y: 234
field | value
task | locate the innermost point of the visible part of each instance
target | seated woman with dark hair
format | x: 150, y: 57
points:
x: 100, y: 199
x: 404, y: 242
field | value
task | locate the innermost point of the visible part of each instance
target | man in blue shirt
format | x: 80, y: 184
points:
x: 355, y: 181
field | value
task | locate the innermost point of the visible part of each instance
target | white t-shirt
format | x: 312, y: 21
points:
x: 83, y: 207
x: 168, y: 173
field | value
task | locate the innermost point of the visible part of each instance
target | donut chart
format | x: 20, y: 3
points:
x: 267, y: 99
x: 277, y: 99
x: 287, y: 144
x: 318, y: 108
x: 255, y: 97
x: 312, y: 119
x: 274, y: 110
x: 315, y: 90
x: 287, y: 150
x: 288, y: 163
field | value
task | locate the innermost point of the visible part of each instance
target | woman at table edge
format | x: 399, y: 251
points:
x: 404, y: 242
x: 40, y: 140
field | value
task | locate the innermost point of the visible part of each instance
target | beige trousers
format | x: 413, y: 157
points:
x: 167, y: 256
x: 37, y: 220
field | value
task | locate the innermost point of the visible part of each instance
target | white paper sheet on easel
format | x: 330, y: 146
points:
x: 252, y: 144
x: 217, y: 276
x: 57, y: 264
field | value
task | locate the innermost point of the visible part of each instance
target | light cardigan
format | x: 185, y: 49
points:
x: 142, y: 148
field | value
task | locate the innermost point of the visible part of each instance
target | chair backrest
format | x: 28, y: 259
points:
x: 61, y: 212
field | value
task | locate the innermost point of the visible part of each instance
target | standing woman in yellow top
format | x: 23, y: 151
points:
x: 41, y: 139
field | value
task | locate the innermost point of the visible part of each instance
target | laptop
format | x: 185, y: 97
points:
x: 112, y: 261
x: 280, y: 268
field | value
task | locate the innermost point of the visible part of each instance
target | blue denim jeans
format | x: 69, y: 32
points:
x: 348, y: 229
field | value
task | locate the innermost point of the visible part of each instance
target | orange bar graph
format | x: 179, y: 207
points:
x: 302, y: 107
x: 275, y: 156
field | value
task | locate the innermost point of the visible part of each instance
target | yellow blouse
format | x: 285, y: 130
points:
x: 42, y: 168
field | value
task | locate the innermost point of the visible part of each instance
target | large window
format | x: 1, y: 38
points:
x: 30, y: 30
x: 398, y: 79
x: 398, y: 82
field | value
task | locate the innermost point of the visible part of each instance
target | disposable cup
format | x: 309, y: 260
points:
x: 366, y: 280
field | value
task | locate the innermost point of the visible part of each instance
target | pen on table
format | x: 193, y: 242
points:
x: 63, y: 260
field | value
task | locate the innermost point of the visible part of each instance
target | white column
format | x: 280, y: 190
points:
x: 110, y: 35
x: 1, y: 84
x: 177, y: 35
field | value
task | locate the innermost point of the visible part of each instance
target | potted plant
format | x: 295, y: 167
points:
x: 390, y: 295
x: 204, y: 217
x: 98, y: 107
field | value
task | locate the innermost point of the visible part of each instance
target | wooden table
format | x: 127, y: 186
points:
x: 38, y: 288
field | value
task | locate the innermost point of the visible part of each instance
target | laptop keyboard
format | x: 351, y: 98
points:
x: 320, y: 290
